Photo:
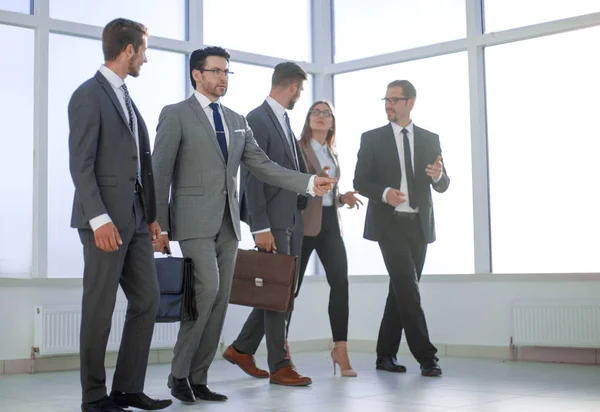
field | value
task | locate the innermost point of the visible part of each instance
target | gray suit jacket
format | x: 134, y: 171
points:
x: 103, y: 157
x: 189, y: 163
x: 262, y: 205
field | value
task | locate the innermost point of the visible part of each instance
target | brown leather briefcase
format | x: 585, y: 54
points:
x: 264, y: 280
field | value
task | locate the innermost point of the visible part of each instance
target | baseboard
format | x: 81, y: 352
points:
x: 582, y: 356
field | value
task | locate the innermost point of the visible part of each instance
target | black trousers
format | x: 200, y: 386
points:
x: 403, y: 248
x: 332, y: 252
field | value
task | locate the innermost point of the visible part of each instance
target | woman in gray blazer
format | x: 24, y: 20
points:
x: 322, y: 229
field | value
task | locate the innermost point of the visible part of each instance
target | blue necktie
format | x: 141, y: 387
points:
x: 219, y: 129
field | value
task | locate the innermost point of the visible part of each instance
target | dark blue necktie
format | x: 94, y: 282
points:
x: 219, y: 129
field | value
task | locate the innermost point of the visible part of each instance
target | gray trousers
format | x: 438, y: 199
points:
x: 214, y: 262
x: 132, y: 266
x: 269, y: 323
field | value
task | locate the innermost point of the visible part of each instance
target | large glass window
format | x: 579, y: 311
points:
x: 508, y: 14
x: 16, y: 156
x: 442, y: 106
x: 164, y: 18
x: 364, y: 29
x: 271, y: 27
x: 19, y: 6
x: 162, y: 82
x: 543, y: 136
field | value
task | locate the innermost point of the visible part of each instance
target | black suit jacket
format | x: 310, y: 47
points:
x: 261, y: 205
x: 378, y: 167
x: 103, y: 157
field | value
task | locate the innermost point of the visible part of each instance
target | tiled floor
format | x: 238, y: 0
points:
x: 473, y: 385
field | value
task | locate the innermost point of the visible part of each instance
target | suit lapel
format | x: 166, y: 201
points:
x: 233, y: 136
x: 311, y: 158
x: 113, y: 97
x: 420, y: 153
x: 391, y: 147
x: 195, y: 105
x: 333, y: 155
x: 282, y: 135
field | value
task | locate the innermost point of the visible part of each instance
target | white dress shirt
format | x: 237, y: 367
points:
x: 116, y: 82
x: 404, y: 207
x: 325, y: 160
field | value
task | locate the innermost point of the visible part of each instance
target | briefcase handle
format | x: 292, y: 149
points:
x: 260, y: 249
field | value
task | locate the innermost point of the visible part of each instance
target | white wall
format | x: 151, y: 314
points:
x: 461, y: 310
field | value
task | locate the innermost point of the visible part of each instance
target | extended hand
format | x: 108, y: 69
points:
x: 107, y: 238
x: 351, y: 200
x: 394, y: 197
x: 322, y: 185
x: 435, y: 170
x: 162, y: 245
x: 265, y: 240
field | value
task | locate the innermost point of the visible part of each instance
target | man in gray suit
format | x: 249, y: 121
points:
x: 275, y: 219
x: 115, y: 212
x: 198, y: 150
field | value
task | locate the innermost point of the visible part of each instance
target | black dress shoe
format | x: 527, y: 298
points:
x: 105, y: 404
x: 204, y: 393
x: 140, y: 401
x: 180, y: 389
x: 389, y: 364
x: 431, y: 369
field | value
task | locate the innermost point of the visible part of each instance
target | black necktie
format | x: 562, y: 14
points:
x: 129, y: 107
x: 291, y: 140
x: 409, y: 170
x: 219, y: 129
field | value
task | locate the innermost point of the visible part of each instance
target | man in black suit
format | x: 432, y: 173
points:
x: 275, y: 220
x: 114, y: 211
x: 397, y: 164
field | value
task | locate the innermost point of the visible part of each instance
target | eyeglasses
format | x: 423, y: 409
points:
x: 217, y: 72
x: 394, y: 100
x: 325, y: 113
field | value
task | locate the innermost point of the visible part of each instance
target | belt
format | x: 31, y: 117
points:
x: 405, y: 215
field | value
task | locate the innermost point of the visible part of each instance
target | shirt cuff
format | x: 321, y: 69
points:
x: 164, y: 233
x: 99, y: 221
x: 311, y: 185
x: 387, y: 189
x: 261, y: 231
x: 438, y: 179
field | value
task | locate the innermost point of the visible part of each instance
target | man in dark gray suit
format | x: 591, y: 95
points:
x: 115, y: 212
x: 199, y: 147
x: 275, y: 219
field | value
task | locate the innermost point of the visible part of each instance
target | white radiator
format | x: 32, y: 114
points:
x: 56, y: 330
x: 574, y: 324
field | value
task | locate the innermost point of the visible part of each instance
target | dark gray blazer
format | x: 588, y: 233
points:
x: 193, y: 181
x: 378, y: 167
x: 103, y: 157
x: 263, y: 205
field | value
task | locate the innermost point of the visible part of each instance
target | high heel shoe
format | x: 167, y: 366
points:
x: 337, y: 357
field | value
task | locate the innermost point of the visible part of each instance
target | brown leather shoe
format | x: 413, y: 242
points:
x: 245, y: 362
x: 287, y: 376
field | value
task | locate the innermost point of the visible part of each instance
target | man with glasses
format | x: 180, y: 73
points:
x: 275, y: 220
x: 198, y: 150
x: 397, y: 164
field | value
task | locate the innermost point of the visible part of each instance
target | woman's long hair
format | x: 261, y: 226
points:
x: 307, y: 132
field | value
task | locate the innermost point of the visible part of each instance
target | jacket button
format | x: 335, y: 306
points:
x: 225, y: 192
x: 134, y: 157
x: 132, y: 179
